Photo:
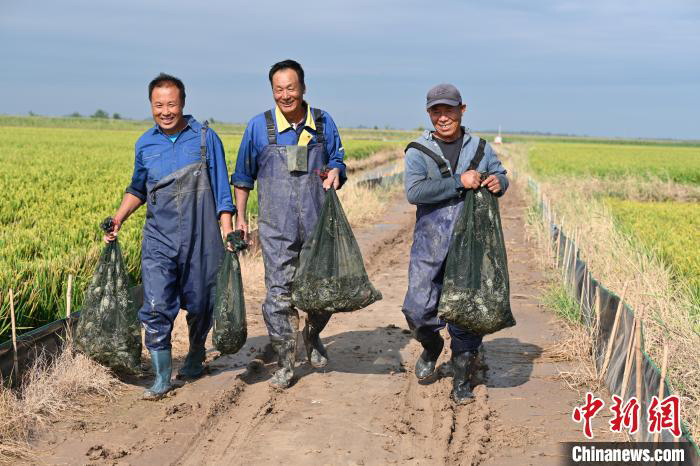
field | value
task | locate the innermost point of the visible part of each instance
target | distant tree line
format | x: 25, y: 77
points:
x: 99, y: 113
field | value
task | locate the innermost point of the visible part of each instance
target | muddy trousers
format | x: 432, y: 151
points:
x: 289, y: 205
x: 426, y: 324
x: 431, y: 240
x: 168, y: 287
x: 281, y: 318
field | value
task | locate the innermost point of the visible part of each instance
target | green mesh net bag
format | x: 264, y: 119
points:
x: 331, y: 276
x: 108, y: 329
x: 476, y: 291
x: 230, y: 329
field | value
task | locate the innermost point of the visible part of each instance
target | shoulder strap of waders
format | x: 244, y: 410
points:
x: 318, y: 119
x: 474, y: 164
x: 270, y: 124
x: 203, y: 144
x: 440, y: 161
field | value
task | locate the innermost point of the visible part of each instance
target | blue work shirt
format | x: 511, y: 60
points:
x: 157, y: 157
x: 255, y: 139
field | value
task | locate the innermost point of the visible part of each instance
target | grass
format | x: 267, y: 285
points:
x: 559, y: 299
x: 670, y: 229
x: 615, y: 161
x: 51, y: 389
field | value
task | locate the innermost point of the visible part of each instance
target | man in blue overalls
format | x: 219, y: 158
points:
x: 180, y: 173
x: 286, y: 149
x: 440, y: 165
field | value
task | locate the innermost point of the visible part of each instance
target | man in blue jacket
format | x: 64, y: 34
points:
x: 437, y: 173
x: 180, y: 174
x: 286, y: 150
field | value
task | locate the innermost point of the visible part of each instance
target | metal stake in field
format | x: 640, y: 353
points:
x: 14, y: 335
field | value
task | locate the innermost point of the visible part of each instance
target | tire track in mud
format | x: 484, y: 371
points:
x: 233, y: 415
x: 434, y: 429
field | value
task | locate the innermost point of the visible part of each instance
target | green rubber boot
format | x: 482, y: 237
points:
x: 194, y: 364
x: 162, y: 363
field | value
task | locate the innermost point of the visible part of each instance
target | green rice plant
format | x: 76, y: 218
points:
x: 360, y: 149
x: 670, y: 229
x: 679, y: 164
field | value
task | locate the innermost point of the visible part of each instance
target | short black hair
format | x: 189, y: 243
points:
x: 162, y: 78
x: 288, y: 64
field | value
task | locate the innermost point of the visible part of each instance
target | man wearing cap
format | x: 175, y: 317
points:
x: 440, y: 166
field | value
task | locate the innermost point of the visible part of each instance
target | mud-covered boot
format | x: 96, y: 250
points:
x: 463, y: 367
x: 162, y: 364
x: 425, y: 366
x: 315, y: 351
x: 286, y: 356
x: 193, y: 368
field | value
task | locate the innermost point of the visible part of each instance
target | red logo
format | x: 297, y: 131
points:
x: 587, y: 412
x: 625, y: 417
x: 665, y: 415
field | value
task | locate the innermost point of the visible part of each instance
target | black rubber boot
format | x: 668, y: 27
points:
x: 315, y: 351
x: 463, y: 367
x: 286, y: 356
x: 425, y: 366
x: 193, y: 368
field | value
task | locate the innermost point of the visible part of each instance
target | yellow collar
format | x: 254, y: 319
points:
x: 283, y: 124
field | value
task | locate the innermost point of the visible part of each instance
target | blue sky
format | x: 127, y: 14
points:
x: 613, y: 68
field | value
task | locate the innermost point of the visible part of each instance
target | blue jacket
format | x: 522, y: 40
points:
x: 157, y: 157
x: 255, y: 139
x: 425, y: 185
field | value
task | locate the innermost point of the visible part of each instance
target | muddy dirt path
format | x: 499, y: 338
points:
x: 366, y: 406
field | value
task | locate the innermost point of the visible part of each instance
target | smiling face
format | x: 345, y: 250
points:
x: 288, y: 94
x: 167, y: 107
x: 447, y: 120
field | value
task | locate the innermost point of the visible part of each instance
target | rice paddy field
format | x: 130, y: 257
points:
x: 665, y: 162
x: 669, y: 229
x: 61, y: 178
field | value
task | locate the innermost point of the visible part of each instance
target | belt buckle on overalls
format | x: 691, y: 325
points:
x: 297, y: 158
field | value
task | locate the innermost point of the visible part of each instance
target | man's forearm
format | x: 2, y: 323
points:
x: 129, y: 204
x: 225, y: 220
x: 241, y: 195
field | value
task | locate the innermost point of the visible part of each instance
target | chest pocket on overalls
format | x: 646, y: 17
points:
x: 297, y: 156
